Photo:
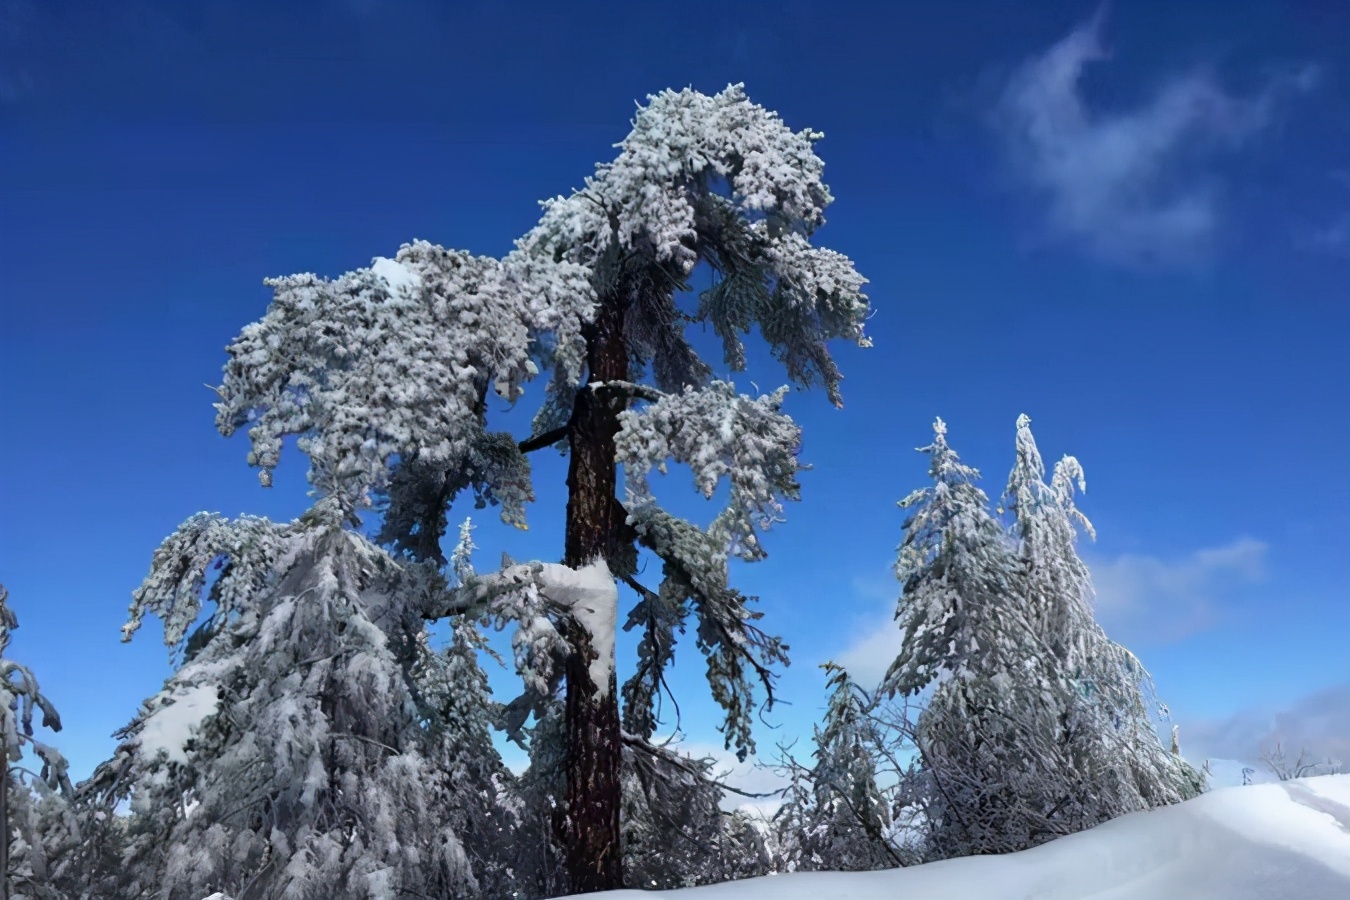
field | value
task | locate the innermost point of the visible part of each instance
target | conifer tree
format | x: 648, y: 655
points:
x: 35, y: 815
x: 1107, y: 725
x: 310, y: 744
x: 385, y: 373
x: 836, y: 817
x: 1037, y: 725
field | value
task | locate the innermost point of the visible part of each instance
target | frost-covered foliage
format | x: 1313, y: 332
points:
x: 718, y: 434
x: 752, y: 444
x: 37, y: 825
x: 1109, y: 724
x: 720, y: 180
x: 20, y: 696
x: 957, y: 569
x: 1037, y: 725
x: 538, y: 598
x: 384, y: 372
x: 311, y: 744
x: 835, y: 816
x: 391, y: 365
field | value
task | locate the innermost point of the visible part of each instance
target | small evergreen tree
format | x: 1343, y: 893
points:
x: 36, y: 822
x: 310, y: 744
x: 836, y: 817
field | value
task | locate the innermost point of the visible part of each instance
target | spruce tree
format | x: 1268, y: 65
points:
x: 310, y: 743
x: 385, y: 373
x: 36, y: 820
x: 1107, y: 724
x: 836, y: 817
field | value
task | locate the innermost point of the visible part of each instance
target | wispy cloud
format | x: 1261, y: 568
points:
x: 1130, y: 186
x: 1333, y: 237
x: 1145, y: 599
x: 754, y: 776
x: 1318, y: 723
x: 17, y: 20
x: 876, y: 639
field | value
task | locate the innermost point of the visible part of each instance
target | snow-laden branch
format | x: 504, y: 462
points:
x: 20, y: 695
x: 718, y: 434
x: 394, y: 360
x: 694, y: 566
x: 643, y: 221
x: 535, y: 596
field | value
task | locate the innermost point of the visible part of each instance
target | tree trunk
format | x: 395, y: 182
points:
x: 590, y: 835
x: 4, y: 832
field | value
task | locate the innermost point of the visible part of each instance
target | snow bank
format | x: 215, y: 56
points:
x: 1260, y: 842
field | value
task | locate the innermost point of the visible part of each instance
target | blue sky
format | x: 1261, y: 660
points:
x: 1131, y: 223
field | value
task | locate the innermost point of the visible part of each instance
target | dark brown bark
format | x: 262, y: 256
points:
x: 595, y: 522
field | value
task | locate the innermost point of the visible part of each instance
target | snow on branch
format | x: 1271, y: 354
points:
x: 535, y: 596
x: 395, y: 360
x: 718, y: 434
x: 695, y: 571
x: 643, y: 221
x: 244, y: 550
x: 19, y: 696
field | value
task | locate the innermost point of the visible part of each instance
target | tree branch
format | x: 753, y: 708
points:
x: 638, y: 743
x: 539, y: 441
x: 640, y: 391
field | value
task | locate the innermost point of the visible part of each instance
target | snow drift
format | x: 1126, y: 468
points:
x: 1284, y: 841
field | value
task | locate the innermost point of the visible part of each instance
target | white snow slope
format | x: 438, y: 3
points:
x: 1283, y: 841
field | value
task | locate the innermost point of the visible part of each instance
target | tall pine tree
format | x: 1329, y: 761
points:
x: 385, y: 374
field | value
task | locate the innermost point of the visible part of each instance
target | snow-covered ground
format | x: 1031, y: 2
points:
x: 1284, y: 841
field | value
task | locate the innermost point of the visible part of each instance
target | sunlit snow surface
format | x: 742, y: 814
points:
x: 1284, y: 841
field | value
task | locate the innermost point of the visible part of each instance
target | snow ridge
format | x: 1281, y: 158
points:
x: 1259, y: 842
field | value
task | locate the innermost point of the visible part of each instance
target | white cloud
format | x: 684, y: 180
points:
x: 1127, y: 186
x: 1333, y: 236
x: 1318, y: 723
x: 876, y: 639
x: 1147, y: 599
x: 753, y: 776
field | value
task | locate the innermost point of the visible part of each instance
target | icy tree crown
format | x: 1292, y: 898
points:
x: 721, y: 180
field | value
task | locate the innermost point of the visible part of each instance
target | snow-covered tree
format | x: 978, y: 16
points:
x: 957, y: 571
x: 1108, y: 725
x: 311, y: 743
x: 836, y: 817
x: 384, y: 375
x: 1037, y: 724
x: 35, y: 815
